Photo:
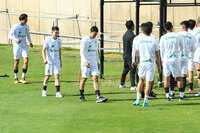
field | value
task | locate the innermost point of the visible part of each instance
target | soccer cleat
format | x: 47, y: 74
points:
x: 145, y: 104
x: 23, y: 81
x: 168, y: 99
x: 183, y: 98
x: 152, y: 95
x: 172, y: 96
x: 58, y: 94
x: 133, y: 88
x: 123, y: 86
x: 16, y: 81
x: 44, y: 93
x: 101, y: 99
x: 198, y: 94
x: 192, y: 91
x: 137, y: 102
x: 82, y: 98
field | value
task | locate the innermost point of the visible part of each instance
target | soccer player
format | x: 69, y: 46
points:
x: 170, y: 45
x: 192, y: 24
x: 51, y: 53
x: 127, y: 48
x: 18, y: 34
x: 188, y: 47
x: 90, y: 63
x: 148, y: 49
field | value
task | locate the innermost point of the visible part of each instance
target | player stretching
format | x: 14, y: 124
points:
x: 18, y: 34
x: 51, y: 53
x: 90, y: 63
x: 170, y: 45
x: 148, y: 49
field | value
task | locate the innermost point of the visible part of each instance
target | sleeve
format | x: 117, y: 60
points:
x: 134, y: 48
x: 45, y: 45
x: 12, y: 33
x: 162, y: 49
x: 28, y: 35
x: 83, y: 51
x: 193, y: 44
x: 60, y: 44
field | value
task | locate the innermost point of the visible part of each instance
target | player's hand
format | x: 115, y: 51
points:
x: 87, y: 65
x: 45, y: 61
x: 31, y: 45
x: 19, y: 40
x: 133, y: 64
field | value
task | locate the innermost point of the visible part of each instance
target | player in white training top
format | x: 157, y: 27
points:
x: 148, y: 49
x: 18, y: 33
x: 90, y: 63
x: 51, y: 53
x: 170, y: 46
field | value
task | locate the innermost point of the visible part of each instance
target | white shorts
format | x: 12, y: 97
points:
x: 197, y: 56
x: 184, y: 67
x: 191, y: 65
x: 86, y: 72
x: 172, y: 67
x: 19, y: 52
x: 52, y: 68
x: 147, y: 70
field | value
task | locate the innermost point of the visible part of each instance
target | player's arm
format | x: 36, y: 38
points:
x: 29, y: 37
x: 12, y: 34
x: 98, y: 56
x: 134, y: 51
x: 158, y: 61
x: 83, y: 53
x: 162, y: 49
x: 60, y: 57
x: 44, y: 52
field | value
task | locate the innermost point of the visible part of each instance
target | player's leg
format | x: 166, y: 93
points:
x: 191, y: 76
x: 172, y: 86
x: 132, y: 75
x: 181, y: 89
x: 197, y: 65
x: 16, y: 64
x: 139, y: 91
x: 95, y: 74
x: 45, y: 82
x: 166, y: 86
x: 124, y: 73
x: 147, y: 92
x: 167, y: 69
x: 24, y: 70
x: 85, y: 75
x: 57, y: 85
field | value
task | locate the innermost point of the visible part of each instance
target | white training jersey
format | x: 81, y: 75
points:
x: 89, y: 51
x: 135, y: 42
x: 147, y: 46
x: 188, y: 45
x: 197, y: 37
x: 52, y: 49
x: 191, y: 54
x: 170, y: 45
x: 20, y: 32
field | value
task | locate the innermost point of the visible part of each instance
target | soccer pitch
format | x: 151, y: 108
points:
x: 24, y: 110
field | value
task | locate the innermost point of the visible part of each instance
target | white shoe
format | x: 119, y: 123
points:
x: 58, y: 94
x: 133, y: 88
x: 44, y: 93
x: 123, y: 86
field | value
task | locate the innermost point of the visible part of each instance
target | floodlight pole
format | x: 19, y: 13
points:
x: 102, y: 38
x: 137, y: 21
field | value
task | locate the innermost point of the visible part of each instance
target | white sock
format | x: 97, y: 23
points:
x: 181, y: 94
x: 167, y: 95
x: 138, y: 95
x: 172, y: 92
x: 44, y: 84
x: 146, y: 98
x: 23, y: 75
x: 15, y: 75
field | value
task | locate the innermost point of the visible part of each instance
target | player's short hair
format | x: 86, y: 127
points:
x: 150, y: 25
x: 94, y: 29
x: 185, y: 23
x: 129, y: 24
x: 54, y: 28
x: 192, y: 23
x: 146, y: 28
x: 23, y: 17
x: 168, y: 25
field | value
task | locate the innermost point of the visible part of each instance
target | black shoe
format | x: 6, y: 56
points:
x: 152, y: 95
x: 168, y: 99
x: 183, y: 98
x: 101, y: 99
x: 172, y: 96
x: 82, y: 98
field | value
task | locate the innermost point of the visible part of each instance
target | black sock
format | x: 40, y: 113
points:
x: 15, y: 71
x: 191, y: 86
x: 24, y: 70
x: 97, y: 92
x: 58, y: 88
x: 81, y: 92
x: 181, y: 90
x: 184, y: 83
x: 45, y: 88
x: 167, y: 90
x: 172, y: 83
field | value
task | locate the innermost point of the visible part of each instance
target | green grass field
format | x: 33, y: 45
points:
x: 23, y: 110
